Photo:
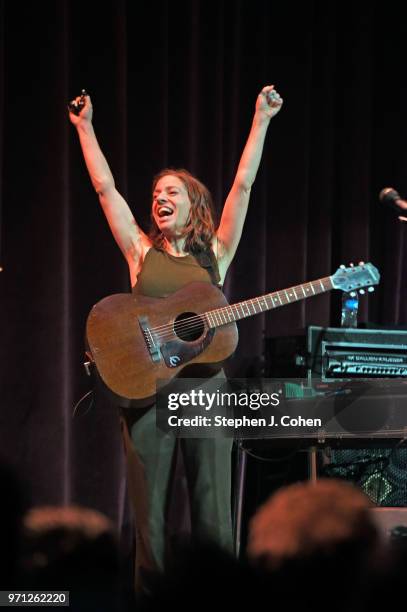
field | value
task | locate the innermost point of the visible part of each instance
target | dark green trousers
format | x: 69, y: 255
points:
x: 153, y: 479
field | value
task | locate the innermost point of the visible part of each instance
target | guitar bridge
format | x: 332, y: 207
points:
x: 153, y: 348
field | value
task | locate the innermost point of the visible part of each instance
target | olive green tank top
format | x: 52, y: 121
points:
x: 162, y: 274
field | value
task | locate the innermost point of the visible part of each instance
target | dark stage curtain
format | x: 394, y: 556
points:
x: 174, y: 83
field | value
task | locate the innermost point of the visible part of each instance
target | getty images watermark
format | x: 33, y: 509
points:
x: 289, y: 408
x: 218, y: 400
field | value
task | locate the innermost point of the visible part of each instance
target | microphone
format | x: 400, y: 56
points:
x: 391, y: 197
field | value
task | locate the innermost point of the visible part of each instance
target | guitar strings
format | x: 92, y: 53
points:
x: 189, y: 324
x: 195, y: 321
x: 220, y: 316
x: 199, y: 319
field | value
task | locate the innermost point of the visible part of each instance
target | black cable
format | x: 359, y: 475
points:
x: 80, y: 401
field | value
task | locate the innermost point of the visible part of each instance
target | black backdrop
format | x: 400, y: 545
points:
x: 174, y: 83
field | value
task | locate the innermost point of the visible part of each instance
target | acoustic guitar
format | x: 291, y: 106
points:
x: 136, y: 341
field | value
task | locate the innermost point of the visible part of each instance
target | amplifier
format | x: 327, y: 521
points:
x: 324, y: 356
x: 344, y: 353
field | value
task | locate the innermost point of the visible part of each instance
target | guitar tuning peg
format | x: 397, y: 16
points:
x: 371, y: 289
x: 353, y: 294
x: 351, y: 265
x: 362, y: 291
x: 342, y: 266
x: 361, y: 263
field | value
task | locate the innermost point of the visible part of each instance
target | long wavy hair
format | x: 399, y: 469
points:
x: 200, y: 227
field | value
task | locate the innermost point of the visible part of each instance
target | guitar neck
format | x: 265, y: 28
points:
x: 254, y: 306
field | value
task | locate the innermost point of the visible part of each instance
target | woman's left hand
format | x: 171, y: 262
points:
x: 268, y: 101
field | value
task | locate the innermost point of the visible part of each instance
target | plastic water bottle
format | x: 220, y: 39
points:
x: 350, y: 304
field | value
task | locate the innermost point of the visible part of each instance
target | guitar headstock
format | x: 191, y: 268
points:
x: 356, y: 278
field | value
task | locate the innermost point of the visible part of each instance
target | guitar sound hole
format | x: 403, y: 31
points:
x: 189, y: 326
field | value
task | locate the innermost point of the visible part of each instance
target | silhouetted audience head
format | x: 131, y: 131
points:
x: 12, y: 509
x: 312, y: 534
x: 72, y: 548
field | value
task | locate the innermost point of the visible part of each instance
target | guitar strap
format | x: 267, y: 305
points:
x: 207, y: 260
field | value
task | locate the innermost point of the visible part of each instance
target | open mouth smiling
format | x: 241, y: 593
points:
x: 165, y: 211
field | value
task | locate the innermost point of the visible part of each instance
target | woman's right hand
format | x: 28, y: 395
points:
x: 85, y: 114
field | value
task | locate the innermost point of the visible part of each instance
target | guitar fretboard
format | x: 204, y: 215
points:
x: 248, y: 308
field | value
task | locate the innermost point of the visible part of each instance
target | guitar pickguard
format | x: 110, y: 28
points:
x: 177, y: 352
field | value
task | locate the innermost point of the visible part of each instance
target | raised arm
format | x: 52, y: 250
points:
x: 234, y: 212
x: 128, y: 235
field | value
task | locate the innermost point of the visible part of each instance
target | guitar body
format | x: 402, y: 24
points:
x: 136, y: 340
